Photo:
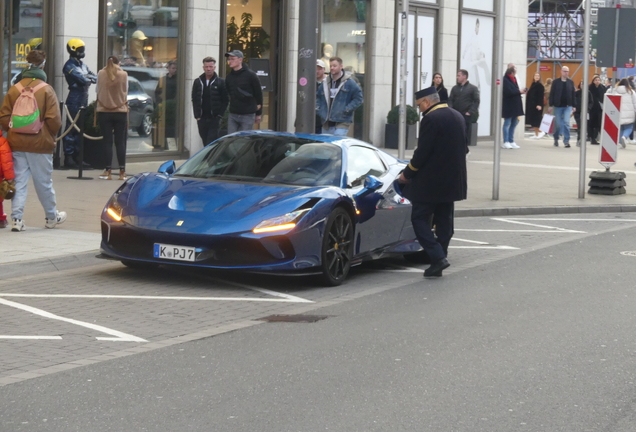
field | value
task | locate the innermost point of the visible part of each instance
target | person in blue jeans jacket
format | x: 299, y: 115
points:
x: 337, y: 99
x: 562, y: 98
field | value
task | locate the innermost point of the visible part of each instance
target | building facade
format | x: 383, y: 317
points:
x: 443, y: 36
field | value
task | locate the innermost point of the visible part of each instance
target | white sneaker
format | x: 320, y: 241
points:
x: 514, y: 145
x: 623, y: 141
x: 60, y: 218
x: 18, y: 225
x: 541, y: 135
x: 506, y: 145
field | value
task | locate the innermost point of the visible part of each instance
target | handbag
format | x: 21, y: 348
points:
x: 547, y: 123
x: 7, y: 189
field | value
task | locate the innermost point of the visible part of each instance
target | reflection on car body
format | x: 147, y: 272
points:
x: 141, y: 108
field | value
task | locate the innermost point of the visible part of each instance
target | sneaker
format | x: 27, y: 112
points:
x: 506, y: 145
x: 556, y: 143
x: 18, y: 225
x: 566, y: 145
x: 514, y: 145
x: 541, y: 135
x: 60, y: 218
x: 623, y: 142
x: 4, y: 223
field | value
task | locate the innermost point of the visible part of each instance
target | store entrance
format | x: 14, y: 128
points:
x: 253, y: 28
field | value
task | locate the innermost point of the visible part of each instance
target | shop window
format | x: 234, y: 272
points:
x: 144, y: 34
x: 343, y: 35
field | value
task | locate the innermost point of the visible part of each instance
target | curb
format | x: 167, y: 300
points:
x: 47, y: 265
x: 528, y: 211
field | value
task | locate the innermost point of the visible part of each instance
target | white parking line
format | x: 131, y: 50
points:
x: 515, y: 221
x: 285, y: 297
x: 32, y: 337
x: 118, y: 336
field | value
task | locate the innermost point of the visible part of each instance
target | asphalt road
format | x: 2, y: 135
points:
x: 531, y: 329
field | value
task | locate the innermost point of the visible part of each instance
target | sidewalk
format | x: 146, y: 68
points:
x: 538, y: 178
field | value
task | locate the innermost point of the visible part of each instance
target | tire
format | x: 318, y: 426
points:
x: 337, y: 247
x: 137, y: 265
x: 145, y: 127
x: 418, y: 257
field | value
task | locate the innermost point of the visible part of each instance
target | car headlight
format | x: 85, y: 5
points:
x: 280, y: 223
x: 114, y: 209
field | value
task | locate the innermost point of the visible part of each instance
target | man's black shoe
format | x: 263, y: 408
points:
x: 435, y: 270
x: 69, y: 163
x: 566, y: 145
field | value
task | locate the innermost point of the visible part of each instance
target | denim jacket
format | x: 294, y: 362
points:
x: 348, y: 98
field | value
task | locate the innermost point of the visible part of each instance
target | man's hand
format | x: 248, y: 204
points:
x: 402, y: 179
x: 257, y: 119
x: 258, y: 107
x: 198, y: 119
x: 468, y: 114
x: 573, y: 110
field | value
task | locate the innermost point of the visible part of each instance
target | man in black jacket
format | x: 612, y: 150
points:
x: 209, y: 101
x: 562, y: 98
x: 246, y: 94
x: 464, y: 98
x: 436, y: 177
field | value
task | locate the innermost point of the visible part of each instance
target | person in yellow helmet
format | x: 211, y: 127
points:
x: 137, y: 41
x: 79, y: 78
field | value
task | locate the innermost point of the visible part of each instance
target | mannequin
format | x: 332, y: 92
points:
x: 79, y: 78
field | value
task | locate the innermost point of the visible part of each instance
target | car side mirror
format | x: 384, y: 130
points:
x: 371, y: 184
x: 168, y: 168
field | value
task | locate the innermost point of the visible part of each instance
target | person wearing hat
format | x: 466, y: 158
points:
x: 79, y: 78
x: 436, y: 177
x: 320, y: 77
x: 137, y: 42
x: 246, y: 94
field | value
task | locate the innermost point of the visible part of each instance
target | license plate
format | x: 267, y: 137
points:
x: 173, y: 252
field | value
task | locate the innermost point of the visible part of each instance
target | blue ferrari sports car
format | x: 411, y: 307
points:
x: 264, y: 202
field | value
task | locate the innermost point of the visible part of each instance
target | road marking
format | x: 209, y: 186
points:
x: 118, y: 336
x: 285, y: 297
x: 512, y: 221
x: 575, y: 220
x: 31, y: 337
x: 518, y: 231
x: 485, y: 247
x: 470, y: 241
x: 524, y: 165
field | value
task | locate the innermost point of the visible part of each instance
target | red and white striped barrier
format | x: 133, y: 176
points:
x: 610, y: 130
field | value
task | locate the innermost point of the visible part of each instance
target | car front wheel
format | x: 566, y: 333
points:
x: 145, y: 127
x: 337, y: 247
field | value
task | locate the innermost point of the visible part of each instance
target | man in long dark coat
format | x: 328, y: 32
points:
x: 436, y: 177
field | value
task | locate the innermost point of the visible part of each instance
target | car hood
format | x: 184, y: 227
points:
x: 157, y: 201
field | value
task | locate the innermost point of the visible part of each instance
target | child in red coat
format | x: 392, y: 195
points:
x: 6, y: 173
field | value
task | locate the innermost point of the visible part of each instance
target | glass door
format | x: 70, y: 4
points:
x: 252, y: 27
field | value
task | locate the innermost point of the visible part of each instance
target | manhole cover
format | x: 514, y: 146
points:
x: 294, y: 318
x: 629, y: 253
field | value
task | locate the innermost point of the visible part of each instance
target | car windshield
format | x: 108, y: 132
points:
x: 270, y: 159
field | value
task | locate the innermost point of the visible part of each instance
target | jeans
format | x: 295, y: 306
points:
x: 440, y: 215
x: 562, y: 126
x: 509, y: 129
x: 334, y: 131
x: 40, y: 166
x: 240, y: 122
x: 117, y: 122
x: 627, y: 129
x: 208, y: 129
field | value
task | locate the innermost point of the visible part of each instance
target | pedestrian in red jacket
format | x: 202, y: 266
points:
x: 6, y: 173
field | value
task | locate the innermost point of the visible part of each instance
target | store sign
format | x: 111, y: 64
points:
x: 21, y: 52
x: 544, y: 68
x: 261, y: 68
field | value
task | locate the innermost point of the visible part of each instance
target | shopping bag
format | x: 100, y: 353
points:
x: 547, y: 123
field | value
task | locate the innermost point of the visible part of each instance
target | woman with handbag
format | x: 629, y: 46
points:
x: 511, y: 107
x: 597, y: 94
x: 112, y: 114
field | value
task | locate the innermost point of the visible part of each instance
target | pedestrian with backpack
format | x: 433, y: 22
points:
x: 30, y: 113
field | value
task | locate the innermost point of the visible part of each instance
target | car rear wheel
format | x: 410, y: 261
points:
x: 145, y: 127
x: 337, y: 247
x: 137, y: 265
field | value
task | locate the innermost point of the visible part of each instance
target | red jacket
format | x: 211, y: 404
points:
x: 6, y: 160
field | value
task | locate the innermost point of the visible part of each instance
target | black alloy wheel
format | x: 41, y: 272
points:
x: 337, y: 247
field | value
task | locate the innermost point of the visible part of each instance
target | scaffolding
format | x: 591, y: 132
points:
x: 555, y: 30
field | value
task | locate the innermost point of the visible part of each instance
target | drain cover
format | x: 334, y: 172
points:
x: 294, y: 318
x: 629, y: 253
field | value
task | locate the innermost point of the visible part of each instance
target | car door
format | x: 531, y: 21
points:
x: 383, y: 212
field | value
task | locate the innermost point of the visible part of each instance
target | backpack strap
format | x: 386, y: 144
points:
x: 39, y: 86
x: 19, y: 86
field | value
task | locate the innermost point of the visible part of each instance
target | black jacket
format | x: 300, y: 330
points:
x: 511, y: 105
x: 216, y: 92
x: 438, y: 168
x: 558, y: 88
x: 244, y: 89
x: 465, y: 99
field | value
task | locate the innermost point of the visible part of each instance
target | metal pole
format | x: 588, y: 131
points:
x: 306, y: 83
x: 404, y: 15
x: 584, y: 96
x: 496, y: 114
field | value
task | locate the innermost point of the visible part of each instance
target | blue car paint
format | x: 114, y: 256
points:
x: 156, y: 202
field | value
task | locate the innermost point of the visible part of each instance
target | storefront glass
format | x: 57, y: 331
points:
x: 484, y: 5
x: 251, y: 29
x: 343, y: 34
x: 23, y: 32
x: 144, y: 34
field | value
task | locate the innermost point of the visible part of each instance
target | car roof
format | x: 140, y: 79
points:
x: 344, y: 142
